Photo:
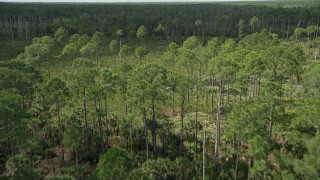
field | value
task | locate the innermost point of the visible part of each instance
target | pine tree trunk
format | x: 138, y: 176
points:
x: 206, y: 85
x: 254, y: 89
x: 31, y: 160
x: 219, y: 115
x: 163, y: 143
x: 77, y: 169
x: 188, y: 101
x: 8, y: 138
x: 196, y: 124
x: 228, y: 95
x: 154, y: 133
x: 130, y: 125
x: 86, y: 118
x: 204, y: 155
x: 98, y: 108
x: 181, y: 130
x: 146, y: 130
x: 61, y: 136
x: 173, y: 112
x: 249, y: 168
x: 85, y: 109
x: 270, y: 129
x: 212, y: 98
x: 173, y: 68
x: 22, y: 103
x: 107, y: 123
x: 237, y: 162
x: 288, y: 29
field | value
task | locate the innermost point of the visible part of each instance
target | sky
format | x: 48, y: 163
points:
x: 88, y: 1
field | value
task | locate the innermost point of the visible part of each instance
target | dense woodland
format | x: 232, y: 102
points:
x: 20, y: 23
x: 160, y: 91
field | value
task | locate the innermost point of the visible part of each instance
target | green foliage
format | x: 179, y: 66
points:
x: 253, y: 21
x: 88, y: 49
x: 142, y: 32
x: 38, y: 50
x: 113, y: 46
x: 160, y: 28
x: 19, y: 77
x: 259, y: 40
x: 191, y: 43
x: 140, y: 52
x: 155, y: 169
x: 73, y: 136
x: 124, y: 51
x: 257, y: 149
x: 311, y: 161
x: 70, y: 48
x: 71, y: 172
x: 224, y: 66
x: 11, y: 113
x: 241, y: 28
x: 10, y: 49
x: 39, y: 46
x: 198, y: 22
x: 84, y: 73
x: 29, y: 173
x: 183, y: 85
x: 173, y: 48
x: 61, y: 35
x: 83, y: 40
x: 110, y: 81
x: 63, y: 177
x: 188, y: 52
x: 163, y: 168
x: 119, y: 33
x: 149, y: 82
x: 114, y: 164
x: 56, y: 90
x: 311, y: 80
x: 97, y: 38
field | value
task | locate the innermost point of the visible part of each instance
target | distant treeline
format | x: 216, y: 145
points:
x: 25, y: 21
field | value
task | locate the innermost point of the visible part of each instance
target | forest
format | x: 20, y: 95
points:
x: 225, y: 90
